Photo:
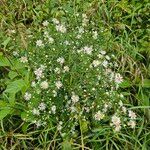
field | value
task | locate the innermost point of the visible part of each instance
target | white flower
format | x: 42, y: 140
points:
x: 23, y: 59
x: 39, y: 43
x: 95, y: 63
x: 45, y: 23
x: 57, y: 70
x: 99, y: 115
x: 38, y: 123
x: 46, y: 34
x: 44, y: 85
x: 132, y: 115
x: 33, y: 84
x: 74, y: 98
x: 42, y: 106
x: 39, y: 73
x: 58, y: 84
x: 100, y: 56
x: 61, y: 60
x: 15, y: 53
x: 87, y: 50
x: 121, y: 103
x: 50, y: 40
x: 54, y: 93
x: 132, y: 123
x: 81, y: 30
x: 85, y: 20
x: 124, y: 109
x: 27, y: 96
x: 35, y: 111
x: 66, y: 42
x: 59, y: 127
x: 107, y: 57
x: 117, y: 128
x: 66, y: 69
x: 95, y: 34
x: 78, y: 36
x: 105, y: 63
x: 61, y: 28
x: 53, y: 108
x: 116, y: 120
x: 118, y: 78
x: 55, y: 21
x: 103, y: 52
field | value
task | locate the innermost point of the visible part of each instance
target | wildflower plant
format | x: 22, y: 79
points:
x: 74, y: 82
x: 75, y: 79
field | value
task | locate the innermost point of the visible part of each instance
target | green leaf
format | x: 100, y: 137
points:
x: 125, y: 84
x: 66, y: 145
x: 15, y: 86
x: 12, y: 74
x: 4, y: 112
x: 27, y: 117
x: 4, y: 61
x: 6, y: 42
x: 146, y: 83
x: 84, y: 126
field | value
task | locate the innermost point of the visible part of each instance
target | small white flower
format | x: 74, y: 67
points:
x: 132, y: 123
x: 96, y: 63
x: 61, y: 28
x: 53, y: 108
x: 73, y: 109
x: 105, y: 63
x: 66, y: 69
x: 39, y: 43
x: 39, y: 73
x: 87, y: 50
x: 55, y: 21
x: 57, y: 70
x: 78, y: 36
x: 124, y: 109
x: 118, y: 78
x: 45, y: 23
x: 81, y: 30
x: 27, y: 96
x: 121, y: 103
x: 15, y: 53
x: 99, y: 115
x: 103, y: 52
x: 54, y: 93
x: 38, y: 123
x: 58, y: 84
x: 23, y: 59
x: 95, y: 34
x: 50, y: 40
x: 132, y: 115
x: 74, y: 98
x: 59, y: 127
x: 100, y: 56
x: 117, y: 128
x: 44, y: 85
x: 61, y: 60
x: 42, y: 106
x: 66, y: 42
x: 35, y: 112
x: 116, y: 120
x: 33, y: 84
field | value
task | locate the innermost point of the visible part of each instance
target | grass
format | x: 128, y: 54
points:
x: 125, y: 32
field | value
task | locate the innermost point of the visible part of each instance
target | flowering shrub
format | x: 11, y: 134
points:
x: 75, y: 80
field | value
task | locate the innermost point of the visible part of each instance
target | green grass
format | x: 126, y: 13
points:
x: 125, y: 32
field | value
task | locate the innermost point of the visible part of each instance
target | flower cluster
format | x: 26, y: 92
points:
x: 75, y: 78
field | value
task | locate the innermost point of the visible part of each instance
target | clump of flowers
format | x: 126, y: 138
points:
x: 74, y: 78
